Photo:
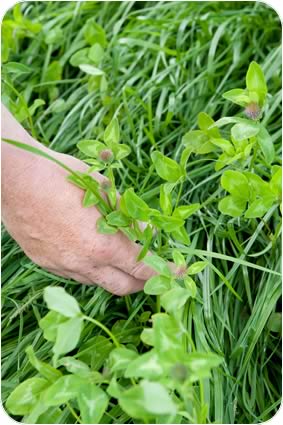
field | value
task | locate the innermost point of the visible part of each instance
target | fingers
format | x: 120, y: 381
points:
x: 124, y: 258
x: 116, y: 281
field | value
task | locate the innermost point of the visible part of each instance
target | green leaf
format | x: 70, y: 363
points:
x: 197, y: 267
x: 198, y: 141
x: 91, y: 70
x: 243, y: 131
x: 51, y: 415
x: 146, y: 365
x: 265, y: 142
x: 157, y: 285
x: 181, y: 235
x: 114, y: 389
x: 165, y: 199
x: 178, y: 258
x: 77, y: 181
x: 68, y: 336
x: 190, y: 286
x: 25, y: 396
x: 223, y: 144
x: 147, y: 399
x: 120, y: 358
x: 185, y: 211
x: 147, y: 238
x: 103, y: 227
x: 258, y: 207
x: 54, y: 36
x: 158, y: 264
x: 38, y: 409
x: 57, y: 299
x: 64, y: 389
x: 156, y: 399
x: 167, y: 338
x: 92, y: 402
x: 275, y: 183
x: 95, y: 351
x: 134, y: 205
x: 147, y: 336
x: 49, y: 325
x: 96, y: 53
x: 275, y: 322
x: 121, y: 151
x: 118, y: 219
x: 255, y: 81
x: 36, y: 104
x: 166, y: 168
x: 80, y: 57
x: 94, y: 33
x: 53, y: 72
x: 174, y: 299
x: 167, y: 223
x: 198, y: 360
x: 232, y: 206
x: 236, y: 184
x: 204, y: 121
x: 47, y: 371
x: 91, y: 148
x: 112, y: 133
x: 16, y: 68
x: 90, y: 199
x: 258, y: 187
x: 74, y: 366
x: 238, y: 96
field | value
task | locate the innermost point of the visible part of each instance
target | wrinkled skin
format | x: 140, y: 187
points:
x: 43, y: 212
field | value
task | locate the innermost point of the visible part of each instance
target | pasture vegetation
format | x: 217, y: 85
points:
x: 179, y: 104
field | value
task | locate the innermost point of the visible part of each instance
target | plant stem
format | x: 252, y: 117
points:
x: 106, y: 330
x: 179, y: 194
x: 158, y: 306
x: 73, y: 413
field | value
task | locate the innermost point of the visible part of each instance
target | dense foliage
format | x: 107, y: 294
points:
x: 202, y: 170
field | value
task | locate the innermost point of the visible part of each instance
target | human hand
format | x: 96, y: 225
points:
x: 43, y: 212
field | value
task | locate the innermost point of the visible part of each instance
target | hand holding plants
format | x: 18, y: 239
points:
x: 44, y: 214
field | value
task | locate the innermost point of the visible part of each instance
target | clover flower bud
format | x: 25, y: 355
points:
x: 106, y: 155
x: 181, y: 272
x: 253, y: 111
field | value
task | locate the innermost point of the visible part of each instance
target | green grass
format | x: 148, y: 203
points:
x: 165, y: 63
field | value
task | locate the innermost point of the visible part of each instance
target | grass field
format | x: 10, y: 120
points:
x: 164, y: 63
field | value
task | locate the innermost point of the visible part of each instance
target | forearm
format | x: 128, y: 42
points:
x: 15, y: 161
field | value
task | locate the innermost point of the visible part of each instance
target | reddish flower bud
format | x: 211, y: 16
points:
x: 181, y: 272
x: 106, y: 155
x: 253, y: 111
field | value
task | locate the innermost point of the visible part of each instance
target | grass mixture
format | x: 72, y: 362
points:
x: 193, y: 92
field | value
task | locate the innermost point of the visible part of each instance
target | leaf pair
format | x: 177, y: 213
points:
x: 173, y: 296
x: 255, y: 92
x: 64, y: 323
x: 100, y: 154
x: 202, y: 141
x: 246, y: 188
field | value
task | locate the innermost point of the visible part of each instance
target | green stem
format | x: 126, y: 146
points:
x: 179, y: 194
x: 158, y: 305
x: 128, y: 303
x: 106, y: 330
x: 39, y: 152
x: 73, y: 413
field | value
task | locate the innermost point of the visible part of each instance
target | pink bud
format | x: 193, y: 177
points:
x: 106, y: 155
x: 253, y: 111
